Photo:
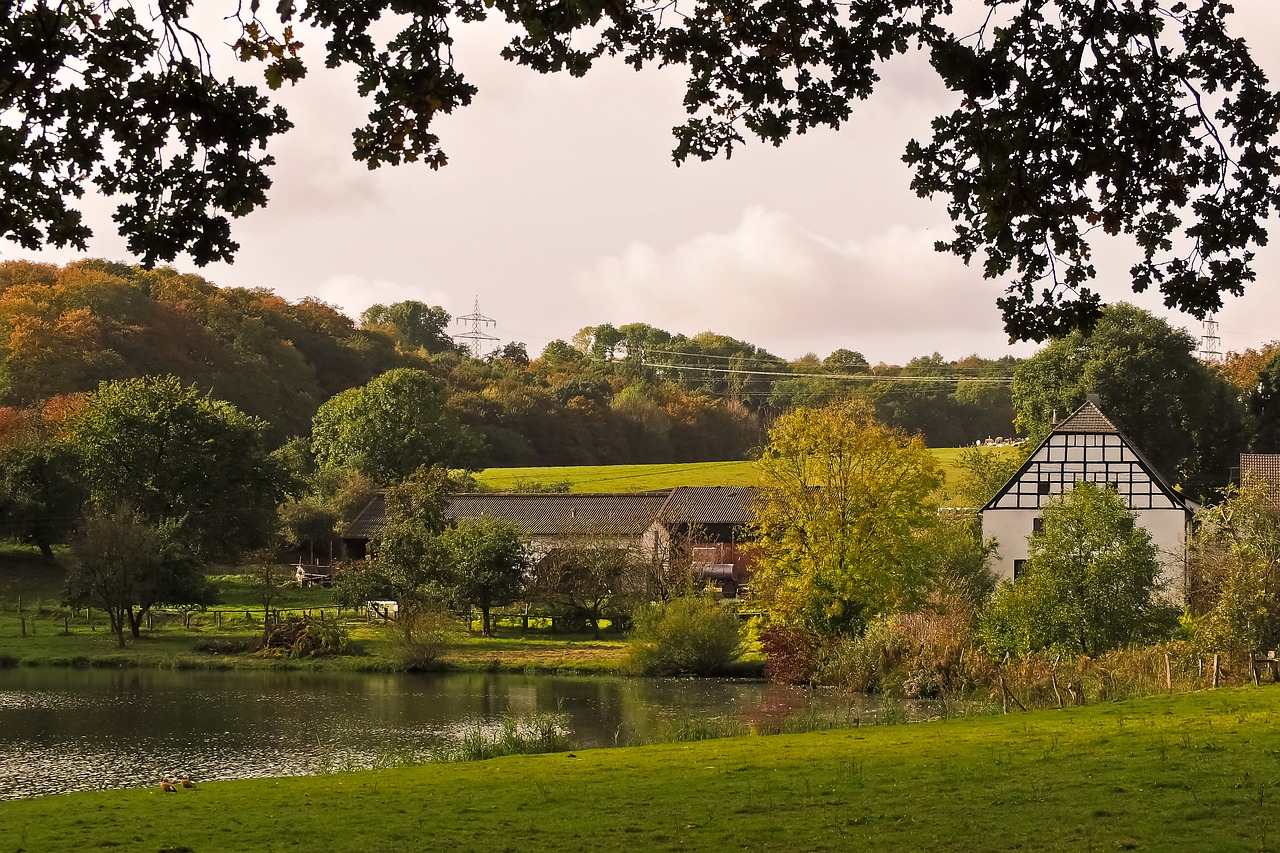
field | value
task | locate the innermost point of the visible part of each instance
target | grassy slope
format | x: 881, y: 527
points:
x: 1191, y: 772
x: 635, y: 478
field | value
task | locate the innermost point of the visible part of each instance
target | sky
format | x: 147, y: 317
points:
x: 561, y: 207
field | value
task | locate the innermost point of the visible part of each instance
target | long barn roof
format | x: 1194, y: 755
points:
x: 596, y: 513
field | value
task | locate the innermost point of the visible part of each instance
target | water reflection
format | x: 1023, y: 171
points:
x: 79, y: 729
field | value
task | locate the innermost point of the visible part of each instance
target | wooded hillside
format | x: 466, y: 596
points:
x: 626, y: 394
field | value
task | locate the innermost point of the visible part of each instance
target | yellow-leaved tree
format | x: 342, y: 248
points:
x: 840, y: 521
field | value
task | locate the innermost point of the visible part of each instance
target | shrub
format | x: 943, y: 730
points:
x: 792, y: 654
x: 431, y: 632
x: 305, y: 638
x: 916, y: 654
x: 691, y: 635
x: 225, y: 645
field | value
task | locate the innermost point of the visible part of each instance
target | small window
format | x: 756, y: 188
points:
x: 1044, y: 487
x: 1036, y: 524
x: 1017, y: 568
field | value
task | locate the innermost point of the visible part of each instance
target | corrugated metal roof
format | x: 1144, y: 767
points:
x: 541, y: 514
x: 607, y: 514
x: 709, y: 505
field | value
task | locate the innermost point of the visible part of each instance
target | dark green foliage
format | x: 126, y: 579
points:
x: 489, y: 559
x: 1183, y: 416
x: 1070, y: 116
x: 416, y: 324
x: 183, y: 459
x: 690, y: 635
x: 1264, y: 404
x: 41, y: 493
x: 101, y: 93
x: 1091, y: 583
x: 390, y: 427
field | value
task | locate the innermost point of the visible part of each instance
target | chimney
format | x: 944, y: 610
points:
x: 1096, y: 399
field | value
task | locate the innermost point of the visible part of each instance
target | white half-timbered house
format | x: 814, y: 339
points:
x: 1087, y: 446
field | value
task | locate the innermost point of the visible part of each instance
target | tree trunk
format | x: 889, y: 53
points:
x: 135, y: 622
x: 484, y: 613
x: 46, y: 550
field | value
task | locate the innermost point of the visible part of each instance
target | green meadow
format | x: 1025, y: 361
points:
x: 1191, y: 772
x: 638, y: 478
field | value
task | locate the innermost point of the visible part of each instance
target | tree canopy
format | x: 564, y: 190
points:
x: 390, y: 427
x: 1090, y: 582
x: 1071, y: 116
x: 1185, y: 417
x: 179, y: 458
x: 844, y: 502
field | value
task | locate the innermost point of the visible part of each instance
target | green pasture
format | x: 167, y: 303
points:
x: 36, y: 630
x: 639, y: 478
x: 1191, y: 772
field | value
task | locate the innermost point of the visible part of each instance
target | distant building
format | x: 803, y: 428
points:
x: 1087, y: 446
x: 701, y: 525
x: 1264, y: 468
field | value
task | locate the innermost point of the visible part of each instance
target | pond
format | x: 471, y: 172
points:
x: 80, y: 729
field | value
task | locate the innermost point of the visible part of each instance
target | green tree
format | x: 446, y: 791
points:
x: 489, y: 559
x: 41, y: 494
x: 1070, y: 115
x: 1264, y: 405
x: 1183, y: 416
x: 125, y: 565
x: 410, y: 563
x: 1234, y: 573
x: 843, y: 504
x: 1091, y: 582
x: 390, y: 427
x: 181, y: 458
x: 591, y: 579
x: 415, y: 323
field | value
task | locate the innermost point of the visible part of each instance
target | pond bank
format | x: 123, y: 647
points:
x: 1181, y: 773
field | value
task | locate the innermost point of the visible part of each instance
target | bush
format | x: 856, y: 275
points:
x: 431, y: 632
x: 305, y: 638
x: 792, y: 654
x: 692, y: 635
x: 924, y: 653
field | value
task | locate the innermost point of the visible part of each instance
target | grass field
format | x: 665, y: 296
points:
x: 1192, y: 772
x: 638, y: 478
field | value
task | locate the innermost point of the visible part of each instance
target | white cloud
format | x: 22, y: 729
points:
x: 775, y: 283
x: 354, y: 293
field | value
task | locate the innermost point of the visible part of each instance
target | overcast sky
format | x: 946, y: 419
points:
x: 561, y: 207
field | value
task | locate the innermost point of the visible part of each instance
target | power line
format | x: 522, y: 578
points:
x: 853, y: 377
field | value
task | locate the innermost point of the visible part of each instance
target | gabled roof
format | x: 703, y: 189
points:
x: 700, y: 505
x: 1090, y: 419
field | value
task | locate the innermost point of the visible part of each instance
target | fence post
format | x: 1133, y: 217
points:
x: 1168, y: 673
x: 1217, y: 669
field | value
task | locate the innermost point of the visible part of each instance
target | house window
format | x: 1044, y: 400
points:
x: 1036, y: 524
x: 1017, y: 567
x: 1044, y: 487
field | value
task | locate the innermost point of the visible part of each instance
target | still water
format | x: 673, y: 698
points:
x: 79, y: 729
